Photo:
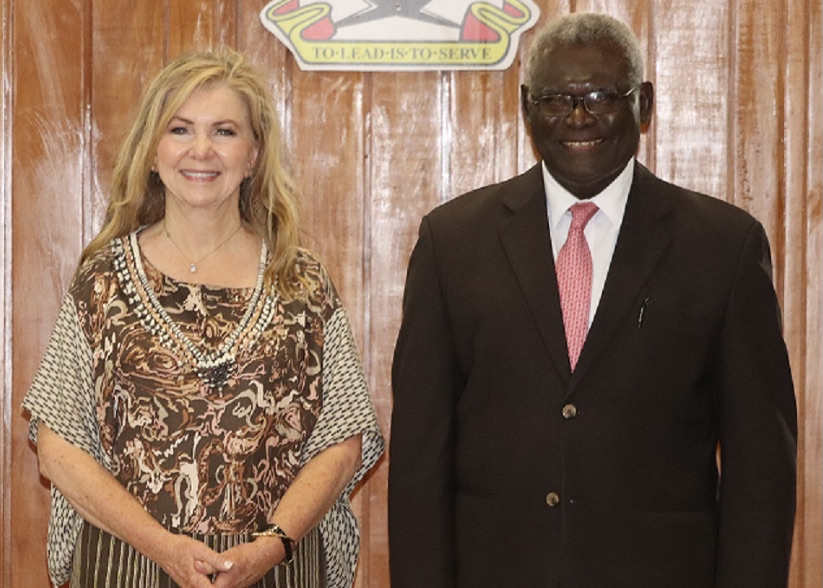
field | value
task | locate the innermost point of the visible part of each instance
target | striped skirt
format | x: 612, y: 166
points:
x: 103, y: 561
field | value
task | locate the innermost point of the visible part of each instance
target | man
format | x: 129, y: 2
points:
x: 519, y: 459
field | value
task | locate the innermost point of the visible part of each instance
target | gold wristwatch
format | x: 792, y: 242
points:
x: 274, y: 531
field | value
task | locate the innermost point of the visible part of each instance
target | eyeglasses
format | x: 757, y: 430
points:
x: 596, y: 102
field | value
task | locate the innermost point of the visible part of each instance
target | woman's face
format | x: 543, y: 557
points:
x: 206, y: 150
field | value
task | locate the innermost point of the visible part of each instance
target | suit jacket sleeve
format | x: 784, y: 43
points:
x: 425, y: 380
x: 758, y: 429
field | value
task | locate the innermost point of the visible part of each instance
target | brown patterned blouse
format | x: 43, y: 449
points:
x: 203, y: 402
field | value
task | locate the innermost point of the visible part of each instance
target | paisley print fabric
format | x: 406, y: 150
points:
x: 203, y: 402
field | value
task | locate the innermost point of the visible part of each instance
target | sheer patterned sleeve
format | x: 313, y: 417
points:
x: 62, y: 397
x: 347, y: 411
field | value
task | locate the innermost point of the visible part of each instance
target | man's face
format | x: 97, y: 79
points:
x: 584, y: 152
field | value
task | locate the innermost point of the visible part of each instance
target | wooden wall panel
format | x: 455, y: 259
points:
x: 200, y: 25
x: 737, y: 116
x: 754, y: 96
x: 327, y: 149
x: 484, y: 124
x: 691, y: 65
x: 48, y: 123
x: 128, y: 43
x: 403, y: 176
x: 6, y: 75
x: 803, y: 181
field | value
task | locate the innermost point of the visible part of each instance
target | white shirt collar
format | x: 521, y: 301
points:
x: 611, y: 201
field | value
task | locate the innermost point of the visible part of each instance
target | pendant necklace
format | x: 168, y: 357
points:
x: 193, y: 264
x: 214, y: 367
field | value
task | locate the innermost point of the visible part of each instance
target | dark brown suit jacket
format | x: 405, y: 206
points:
x: 508, y: 471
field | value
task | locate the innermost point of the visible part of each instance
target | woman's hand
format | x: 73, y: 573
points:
x: 250, y: 562
x: 190, y: 563
x: 105, y: 503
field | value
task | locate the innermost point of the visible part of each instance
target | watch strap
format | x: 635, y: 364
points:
x: 272, y: 530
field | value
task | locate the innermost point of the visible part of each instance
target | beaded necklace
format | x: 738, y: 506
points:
x: 214, y: 367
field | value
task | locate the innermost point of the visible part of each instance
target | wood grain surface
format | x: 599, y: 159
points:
x: 737, y: 116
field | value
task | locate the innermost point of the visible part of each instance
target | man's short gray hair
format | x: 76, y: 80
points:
x: 585, y: 28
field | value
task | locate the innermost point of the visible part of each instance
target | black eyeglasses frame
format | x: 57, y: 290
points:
x: 586, y: 100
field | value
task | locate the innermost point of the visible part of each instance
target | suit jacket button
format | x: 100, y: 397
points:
x: 552, y: 499
x: 569, y: 411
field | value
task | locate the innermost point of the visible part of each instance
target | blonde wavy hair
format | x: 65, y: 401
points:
x: 268, y: 199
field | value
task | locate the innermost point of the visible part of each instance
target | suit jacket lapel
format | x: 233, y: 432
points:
x: 643, y: 239
x: 525, y: 238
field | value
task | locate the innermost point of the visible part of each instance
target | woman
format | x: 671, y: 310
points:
x: 201, y: 410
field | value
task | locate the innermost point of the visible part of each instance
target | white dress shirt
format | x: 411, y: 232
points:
x: 601, y: 231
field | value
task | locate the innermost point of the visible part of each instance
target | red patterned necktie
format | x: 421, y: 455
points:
x: 574, y: 279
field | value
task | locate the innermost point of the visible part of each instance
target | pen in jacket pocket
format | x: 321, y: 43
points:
x: 642, y: 313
